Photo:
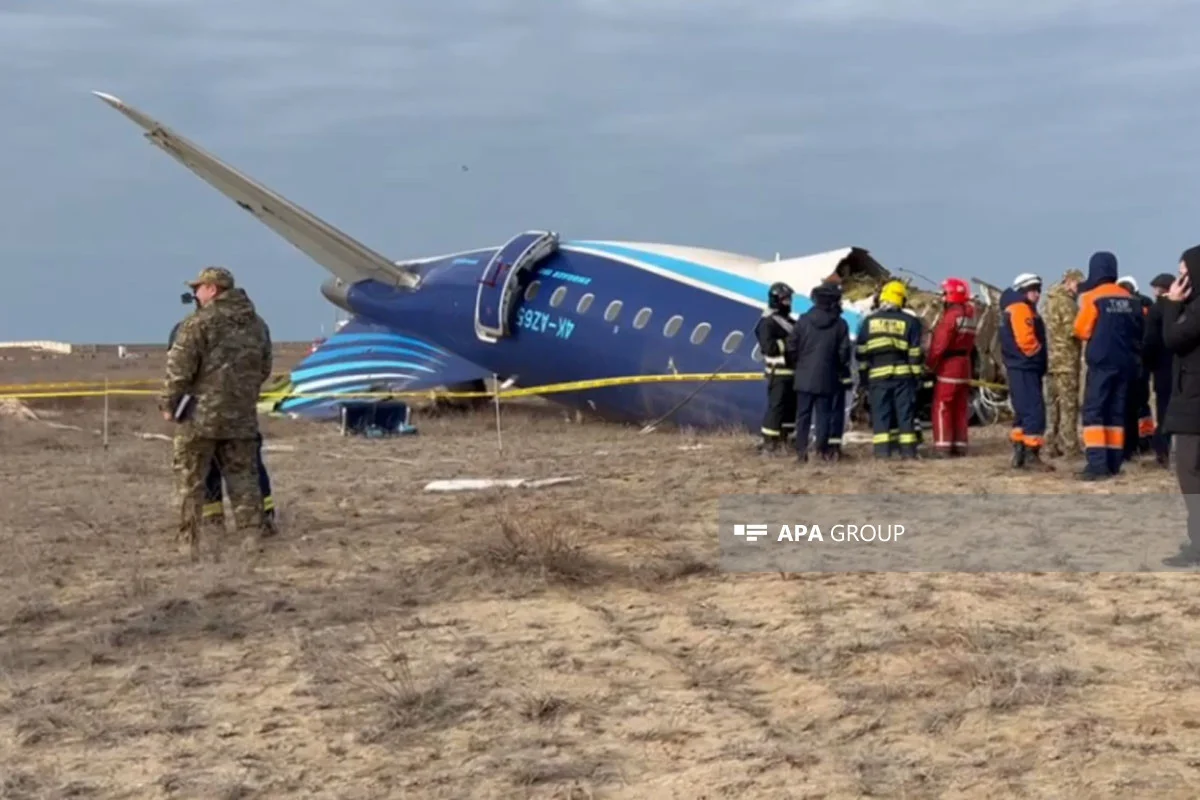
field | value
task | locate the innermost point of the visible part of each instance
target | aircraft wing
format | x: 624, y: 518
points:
x: 346, y: 258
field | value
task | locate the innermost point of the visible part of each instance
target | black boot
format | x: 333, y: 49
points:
x: 769, y: 446
x: 1033, y: 460
x: 1018, y: 455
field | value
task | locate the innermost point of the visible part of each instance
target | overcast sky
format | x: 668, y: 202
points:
x: 950, y: 137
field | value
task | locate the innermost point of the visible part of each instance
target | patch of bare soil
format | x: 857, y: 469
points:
x: 576, y: 641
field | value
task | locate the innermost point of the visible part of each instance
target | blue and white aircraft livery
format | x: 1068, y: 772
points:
x: 540, y: 310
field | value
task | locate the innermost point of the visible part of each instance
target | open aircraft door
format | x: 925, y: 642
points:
x: 501, y: 281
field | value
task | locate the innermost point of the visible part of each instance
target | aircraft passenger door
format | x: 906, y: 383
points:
x: 500, y: 282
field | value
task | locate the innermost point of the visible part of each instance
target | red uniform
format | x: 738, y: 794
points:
x: 950, y: 355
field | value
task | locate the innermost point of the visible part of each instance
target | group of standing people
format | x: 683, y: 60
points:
x: 1098, y: 334
x: 217, y: 360
x: 809, y: 362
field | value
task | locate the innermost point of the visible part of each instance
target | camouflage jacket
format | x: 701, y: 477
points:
x: 1059, y: 315
x: 221, y: 356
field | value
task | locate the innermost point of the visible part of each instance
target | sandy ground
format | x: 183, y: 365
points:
x: 575, y: 641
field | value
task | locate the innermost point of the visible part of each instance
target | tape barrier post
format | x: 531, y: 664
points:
x: 105, y: 428
x: 496, y: 395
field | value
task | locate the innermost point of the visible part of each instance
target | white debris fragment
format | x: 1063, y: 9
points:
x: 477, y: 484
x: 11, y: 407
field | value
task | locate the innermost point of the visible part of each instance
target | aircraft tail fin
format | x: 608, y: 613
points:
x: 345, y: 257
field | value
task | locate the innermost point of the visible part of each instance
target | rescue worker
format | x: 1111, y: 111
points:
x: 215, y: 370
x: 772, y: 332
x: 213, y: 510
x: 1139, y: 422
x: 951, y: 353
x: 1023, y: 345
x: 1181, y: 335
x: 889, y: 365
x: 840, y: 398
x: 1157, y: 360
x: 1109, y: 322
x: 1063, y: 371
x: 819, y: 346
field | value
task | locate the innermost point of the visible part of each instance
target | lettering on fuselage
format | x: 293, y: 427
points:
x: 530, y: 319
x: 570, y: 277
x: 887, y: 327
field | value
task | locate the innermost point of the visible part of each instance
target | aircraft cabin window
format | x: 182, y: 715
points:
x: 642, y: 318
x: 585, y: 303
x: 614, y: 308
x: 756, y: 354
x: 701, y: 332
x: 732, y: 341
x: 531, y: 290
x: 673, y: 325
x: 559, y: 295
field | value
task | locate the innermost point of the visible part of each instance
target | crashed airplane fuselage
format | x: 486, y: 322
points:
x: 544, y: 310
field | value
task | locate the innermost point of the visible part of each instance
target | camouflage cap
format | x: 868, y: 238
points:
x: 213, y: 276
x: 1073, y: 275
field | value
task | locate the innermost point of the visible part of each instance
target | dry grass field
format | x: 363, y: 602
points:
x: 575, y: 641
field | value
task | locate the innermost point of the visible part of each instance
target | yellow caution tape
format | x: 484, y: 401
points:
x: 85, y: 385
x: 530, y: 391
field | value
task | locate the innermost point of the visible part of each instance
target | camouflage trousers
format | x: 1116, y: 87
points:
x: 238, y: 459
x: 1062, y: 414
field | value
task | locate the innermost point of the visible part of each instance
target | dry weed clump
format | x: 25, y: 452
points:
x: 544, y: 549
x: 374, y: 682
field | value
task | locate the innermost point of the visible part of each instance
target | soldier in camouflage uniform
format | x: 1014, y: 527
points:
x: 220, y: 358
x: 1063, y: 371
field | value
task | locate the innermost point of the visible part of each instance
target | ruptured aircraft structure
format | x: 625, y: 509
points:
x: 538, y: 309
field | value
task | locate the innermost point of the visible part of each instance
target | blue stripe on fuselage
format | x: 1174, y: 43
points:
x: 330, y: 351
x: 302, y: 375
x: 710, y: 276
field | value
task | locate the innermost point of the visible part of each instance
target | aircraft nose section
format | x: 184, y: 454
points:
x: 335, y: 291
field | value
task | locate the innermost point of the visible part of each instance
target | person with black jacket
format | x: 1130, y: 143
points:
x: 772, y: 332
x: 213, y: 511
x: 1181, y: 335
x: 1157, y: 360
x: 819, y: 346
x: 1139, y: 422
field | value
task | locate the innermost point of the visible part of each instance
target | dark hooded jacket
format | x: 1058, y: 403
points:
x: 1110, y: 320
x: 1181, y: 336
x: 820, y: 344
x: 220, y: 356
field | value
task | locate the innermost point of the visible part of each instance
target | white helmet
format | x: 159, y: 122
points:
x: 1026, y: 281
x: 1130, y: 282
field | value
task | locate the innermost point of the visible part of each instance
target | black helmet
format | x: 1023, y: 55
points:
x: 779, y: 297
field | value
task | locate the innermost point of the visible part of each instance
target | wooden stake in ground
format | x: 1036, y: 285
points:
x: 496, y: 397
x: 105, y: 426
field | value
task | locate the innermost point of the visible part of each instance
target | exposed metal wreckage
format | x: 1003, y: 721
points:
x: 988, y: 403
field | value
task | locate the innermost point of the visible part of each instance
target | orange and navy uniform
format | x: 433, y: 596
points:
x: 1109, y: 322
x: 1023, y: 347
x: 1022, y: 334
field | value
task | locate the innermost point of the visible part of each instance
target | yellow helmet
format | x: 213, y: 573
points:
x: 894, y: 292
